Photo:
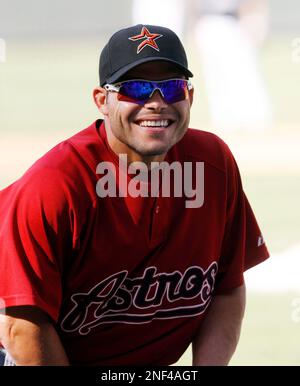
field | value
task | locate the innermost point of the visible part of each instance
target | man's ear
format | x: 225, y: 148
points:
x: 100, y: 95
x: 191, y: 95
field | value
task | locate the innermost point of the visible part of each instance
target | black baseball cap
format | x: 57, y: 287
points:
x: 139, y: 44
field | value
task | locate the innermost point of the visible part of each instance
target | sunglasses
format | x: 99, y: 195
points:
x: 139, y: 91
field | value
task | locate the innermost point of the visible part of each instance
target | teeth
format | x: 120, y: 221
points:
x: 162, y: 123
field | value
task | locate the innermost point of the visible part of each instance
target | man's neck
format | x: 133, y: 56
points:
x: 132, y: 156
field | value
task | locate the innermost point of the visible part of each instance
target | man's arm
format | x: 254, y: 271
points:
x: 219, y: 332
x: 30, y: 338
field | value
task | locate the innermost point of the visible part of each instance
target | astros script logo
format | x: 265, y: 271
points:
x: 121, y: 298
x: 149, y: 39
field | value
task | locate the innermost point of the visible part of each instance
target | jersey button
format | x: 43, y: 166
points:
x: 157, y: 209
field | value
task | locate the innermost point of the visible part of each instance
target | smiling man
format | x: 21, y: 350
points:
x: 146, y: 133
x: 128, y: 279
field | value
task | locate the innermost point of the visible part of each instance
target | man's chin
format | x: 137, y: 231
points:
x: 153, y: 152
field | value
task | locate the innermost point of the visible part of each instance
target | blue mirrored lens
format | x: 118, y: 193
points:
x: 175, y: 91
x: 139, y: 91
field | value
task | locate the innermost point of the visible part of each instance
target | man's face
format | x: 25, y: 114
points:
x: 130, y: 127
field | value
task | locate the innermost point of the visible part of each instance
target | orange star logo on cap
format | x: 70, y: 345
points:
x: 149, y: 39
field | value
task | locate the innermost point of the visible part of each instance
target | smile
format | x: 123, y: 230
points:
x: 155, y: 123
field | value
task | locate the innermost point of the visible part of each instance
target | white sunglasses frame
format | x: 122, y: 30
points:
x: 116, y: 86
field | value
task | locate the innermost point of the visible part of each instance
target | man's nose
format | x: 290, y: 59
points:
x: 156, y: 101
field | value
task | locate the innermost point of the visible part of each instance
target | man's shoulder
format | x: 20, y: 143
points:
x: 70, y: 166
x: 73, y: 153
x: 87, y: 139
x: 205, y: 146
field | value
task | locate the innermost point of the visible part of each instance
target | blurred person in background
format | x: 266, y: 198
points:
x: 228, y: 34
x: 170, y: 13
x: 2, y: 51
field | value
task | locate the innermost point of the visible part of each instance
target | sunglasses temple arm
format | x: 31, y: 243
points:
x: 111, y: 87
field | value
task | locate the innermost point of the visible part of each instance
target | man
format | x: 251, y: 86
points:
x: 172, y: 14
x: 95, y: 269
x: 230, y: 65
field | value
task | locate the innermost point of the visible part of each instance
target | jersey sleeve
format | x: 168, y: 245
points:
x: 243, y: 245
x: 37, y: 235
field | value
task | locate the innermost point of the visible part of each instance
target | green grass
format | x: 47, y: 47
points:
x: 275, y: 201
x: 282, y: 76
x: 46, y: 86
x: 270, y: 333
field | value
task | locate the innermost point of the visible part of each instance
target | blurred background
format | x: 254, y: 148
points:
x: 245, y: 56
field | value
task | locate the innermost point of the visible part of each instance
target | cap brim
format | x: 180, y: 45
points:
x: 118, y: 74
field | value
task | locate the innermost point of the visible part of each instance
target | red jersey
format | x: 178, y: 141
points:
x: 125, y: 280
